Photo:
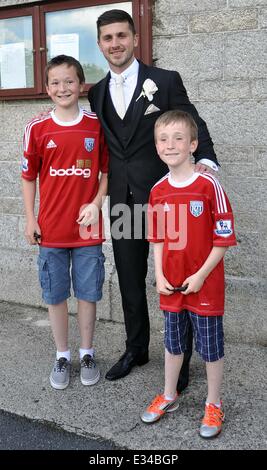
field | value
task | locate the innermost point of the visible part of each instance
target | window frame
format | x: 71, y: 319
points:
x: 142, y: 15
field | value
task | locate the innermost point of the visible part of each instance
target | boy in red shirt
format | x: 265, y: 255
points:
x: 191, y: 225
x: 66, y: 149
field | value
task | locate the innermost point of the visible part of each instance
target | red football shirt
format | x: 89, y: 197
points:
x: 68, y: 157
x: 190, y: 218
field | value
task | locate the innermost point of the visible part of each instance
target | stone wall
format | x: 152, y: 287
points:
x: 219, y: 48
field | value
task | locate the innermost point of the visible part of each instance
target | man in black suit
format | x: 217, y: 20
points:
x: 127, y: 114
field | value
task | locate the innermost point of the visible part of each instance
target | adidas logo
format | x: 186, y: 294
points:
x: 51, y: 144
x: 166, y: 207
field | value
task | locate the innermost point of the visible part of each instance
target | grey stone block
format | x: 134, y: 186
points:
x: 259, y: 88
x: 224, y: 21
x: 245, y: 318
x: 261, y: 163
x: 248, y: 195
x: 11, y: 151
x: 19, y: 278
x: 188, y: 6
x: 197, y: 57
x: 242, y: 170
x: 263, y: 17
x: 169, y: 24
x: 10, y: 182
x: 11, y: 205
x: 248, y: 221
x: 235, y: 123
x: 224, y: 90
x: 239, y: 55
x: 246, y: 3
x: 8, y: 231
x: 243, y: 260
x: 228, y: 154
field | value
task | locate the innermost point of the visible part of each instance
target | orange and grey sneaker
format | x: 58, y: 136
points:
x: 158, y: 407
x: 211, y: 424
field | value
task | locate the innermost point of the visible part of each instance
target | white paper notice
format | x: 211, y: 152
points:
x: 13, y: 71
x: 67, y: 44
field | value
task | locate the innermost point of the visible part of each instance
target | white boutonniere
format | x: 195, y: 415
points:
x: 148, y: 89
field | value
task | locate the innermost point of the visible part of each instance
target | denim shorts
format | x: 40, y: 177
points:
x: 208, y: 334
x: 84, y: 265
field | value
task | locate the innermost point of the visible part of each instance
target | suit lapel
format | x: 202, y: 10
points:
x: 99, y: 102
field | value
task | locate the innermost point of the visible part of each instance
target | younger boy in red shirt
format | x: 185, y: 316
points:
x: 191, y: 225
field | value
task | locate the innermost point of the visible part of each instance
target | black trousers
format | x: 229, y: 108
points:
x: 131, y: 256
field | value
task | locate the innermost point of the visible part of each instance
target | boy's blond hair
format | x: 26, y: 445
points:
x: 175, y: 116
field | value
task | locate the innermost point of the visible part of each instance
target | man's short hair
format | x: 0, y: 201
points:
x: 175, y: 116
x: 69, y: 61
x: 114, y: 16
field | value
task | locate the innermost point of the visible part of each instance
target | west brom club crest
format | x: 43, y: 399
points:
x: 89, y: 144
x: 196, y: 208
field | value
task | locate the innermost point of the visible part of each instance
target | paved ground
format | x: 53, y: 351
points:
x: 111, y: 410
x: 20, y: 433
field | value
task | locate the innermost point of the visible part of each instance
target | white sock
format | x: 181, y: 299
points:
x: 218, y: 405
x: 168, y: 397
x: 90, y: 351
x: 65, y: 354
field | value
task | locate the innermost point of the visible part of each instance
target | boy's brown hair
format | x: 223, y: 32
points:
x: 69, y: 61
x: 175, y: 116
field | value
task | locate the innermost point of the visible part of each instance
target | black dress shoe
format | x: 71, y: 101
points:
x: 125, y: 364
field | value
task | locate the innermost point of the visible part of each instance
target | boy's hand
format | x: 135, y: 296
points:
x: 195, y: 282
x: 89, y: 215
x: 33, y: 233
x: 163, y: 286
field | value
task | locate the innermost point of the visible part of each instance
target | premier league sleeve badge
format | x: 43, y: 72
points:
x: 223, y: 228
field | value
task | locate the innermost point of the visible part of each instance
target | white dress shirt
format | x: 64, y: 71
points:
x: 130, y: 76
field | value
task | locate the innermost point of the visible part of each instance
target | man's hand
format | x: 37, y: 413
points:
x: 43, y: 114
x: 201, y: 168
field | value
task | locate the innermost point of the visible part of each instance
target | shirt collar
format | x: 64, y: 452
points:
x: 127, y: 73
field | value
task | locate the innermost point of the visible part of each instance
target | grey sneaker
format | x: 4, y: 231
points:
x: 60, y: 375
x: 90, y: 373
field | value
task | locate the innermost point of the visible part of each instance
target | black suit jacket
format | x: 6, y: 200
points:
x: 135, y: 164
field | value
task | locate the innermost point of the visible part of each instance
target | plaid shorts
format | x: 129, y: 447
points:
x: 208, y: 334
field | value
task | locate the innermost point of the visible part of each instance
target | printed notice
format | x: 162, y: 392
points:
x: 13, y: 71
x: 67, y: 44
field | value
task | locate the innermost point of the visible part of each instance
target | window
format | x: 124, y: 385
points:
x: 31, y: 35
